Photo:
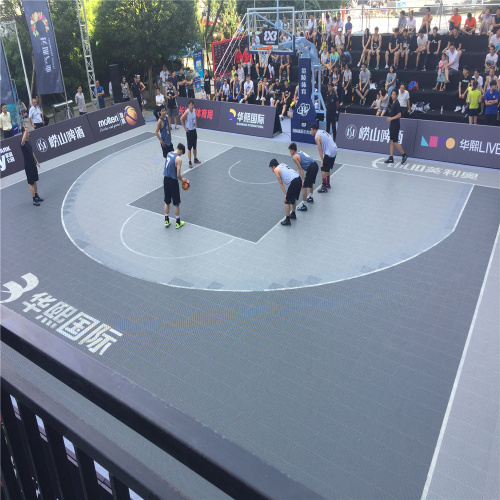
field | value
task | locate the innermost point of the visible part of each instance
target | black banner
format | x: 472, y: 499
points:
x: 11, y: 156
x: 115, y: 120
x: 304, y: 114
x: 49, y: 78
x: 6, y: 94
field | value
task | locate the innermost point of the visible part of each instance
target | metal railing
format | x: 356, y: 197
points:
x: 31, y: 461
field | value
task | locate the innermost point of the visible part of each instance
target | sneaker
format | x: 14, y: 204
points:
x: 167, y: 223
x: 288, y: 80
x: 293, y: 216
x: 395, y: 68
x: 458, y: 108
x: 423, y: 69
x: 198, y: 162
x: 463, y: 108
x: 405, y: 68
x: 309, y: 199
x: 176, y: 127
x: 286, y: 222
x: 190, y: 165
x: 403, y: 160
x: 359, y: 64
x: 35, y: 202
x: 389, y: 160
x: 37, y: 198
x: 179, y: 224
x: 302, y: 208
x: 376, y: 68
x: 386, y: 66
x: 258, y: 99
x: 281, y: 117
x: 322, y: 189
x: 328, y: 185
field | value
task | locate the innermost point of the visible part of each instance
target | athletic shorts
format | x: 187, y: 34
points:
x: 473, y: 112
x: 394, y: 134
x: 167, y: 149
x: 311, y: 173
x: 172, y: 112
x: 293, y: 191
x: 328, y: 163
x: 192, y: 137
x: 31, y: 174
x: 171, y: 191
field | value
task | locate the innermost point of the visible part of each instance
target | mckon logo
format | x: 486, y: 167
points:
x: 435, y: 141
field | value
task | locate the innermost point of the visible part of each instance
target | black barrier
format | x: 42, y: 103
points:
x: 477, y: 145
x: 304, y: 114
x: 245, y: 119
x: 115, y: 120
x: 11, y: 156
x: 371, y: 133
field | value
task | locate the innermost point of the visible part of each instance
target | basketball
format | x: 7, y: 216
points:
x: 185, y: 185
x: 130, y: 115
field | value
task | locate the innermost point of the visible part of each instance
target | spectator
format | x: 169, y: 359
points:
x: 159, y: 102
x: 312, y: 26
x: 241, y: 73
x: 262, y: 91
x: 247, y: 61
x: 451, y: 67
x: 422, y: 41
x: 340, y: 24
x: 404, y: 47
x: 478, y: 78
x: 225, y: 91
x: 433, y: 49
x: 35, y: 114
x: 248, y: 91
x: 364, y: 84
x: 287, y: 99
x: 125, y: 90
x: 164, y: 74
x: 207, y: 83
x: 495, y: 41
x: 45, y: 119
x: 376, y: 103
x: 366, y: 44
x: 348, y: 32
x: 328, y: 23
x: 262, y: 61
x: 491, y: 104
x: 189, y: 79
x: 401, y: 22
x: 486, y: 21
x: 137, y: 87
x: 5, y: 122
x: 426, y: 21
x: 174, y: 80
x: 384, y: 103
x: 455, y: 20
x: 238, y: 56
x: 255, y: 41
x: 463, y: 88
x: 24, y: 111
x: 404, y: 101
x: 236, y: 90
x: 171, y: 99
x: 326, y: 67
x: 332, y: 104
x: 80, y: 101
x: 346, y: 59
x: 491, y: 77
x: 375, y: 46
x: 346, y: 88
x: 393, y: 49
x: 496, y: 22
x: 339, y: 41
x: 473, y: 99
x: 411, y: 24
x: 218, y: 89
x: 285, y: 67
x: 334, y: 79
x: 100, y: 94
x: 491, y: 59
x: 181, y: 84
x: 275, y: 93
x: 203, y: 94
x: 456, y: 39
x: 270, y: 68
x: 470, y: 24
x: 441, y: 75
x: 390, y: 80
x: 334, y: 59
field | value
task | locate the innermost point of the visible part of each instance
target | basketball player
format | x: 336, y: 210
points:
x: 30, y: 164
x: 189, y: 122
x: 171, y: 178
x: 327, y: 152
x: 305, y: 162
x: 163, y: 132
x: 291, y: 179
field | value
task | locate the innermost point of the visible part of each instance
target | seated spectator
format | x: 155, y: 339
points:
x: 491, y: 77
x: 270, y: 69
x: 491, y: 60
x: 248, y: 91
x: 384, y: 103
x: 160, y: 103
x: 401, y: 22
x: 390, y: 80
x: 328, y: 23
x: 366, y: 43
x: 348, y: 33
x: 404, y: 100
x: 312, y: 26
x: 463, y: 88
x: 441, y: 75
x: 238, y: 56
x: 233, y: 74
x: 334, y: 79
x: 375, y: 46
x: 404, y: 47
x: 285, y: 68
x: 393, y: 49
x: 376, y: 103
x: 236, y: 93
x: 491, y: 104
x: 411, y: 24
x: 334, y: 58
x: 346, y: 87
x: 346, y: 59
x: 364, y: 84
x: 426, y: 21
x: 456, y: 39
x: 262, y: 63
x: 324, y: 43
x: 241, y: 73
x: 473, y: 99
x: 496, y: 23
x: 455, y: 20
x: 262, y: 90
x: 275, y: 91
x: 495, y: 41
x: 339, y: 41
x: 422, y: 41
x: 247, y: 61
x: 286, y: 99
x: 486, y: 21
x: 255, y: 41
x: 433, y: 49
x: 470, y: 24
x: 204, y: 94
x: 326, y: 67
x: 225, y: 91
x: 451, y: 67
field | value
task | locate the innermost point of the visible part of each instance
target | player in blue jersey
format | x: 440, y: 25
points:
x: 172, y: 176
x: 305, y: 163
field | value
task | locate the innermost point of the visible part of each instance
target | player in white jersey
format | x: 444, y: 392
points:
x: 291, y: 179
x: 189, y: 121
x: 327, y: 152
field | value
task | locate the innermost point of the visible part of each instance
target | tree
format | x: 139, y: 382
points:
x: 325, y: 5
x: 141, y: 35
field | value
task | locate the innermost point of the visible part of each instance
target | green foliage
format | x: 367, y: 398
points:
x: 325, y: 5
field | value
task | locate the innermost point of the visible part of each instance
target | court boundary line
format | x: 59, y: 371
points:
x: 446, y: 417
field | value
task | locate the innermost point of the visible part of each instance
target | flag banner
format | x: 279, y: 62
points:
x: 49, y: 78
x: 6, y: 94
x: 198, y: 72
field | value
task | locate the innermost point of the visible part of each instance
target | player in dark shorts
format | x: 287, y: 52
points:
x: 327, y: 152
x: 189, y: 121
x: 291, y: 179
x: 30, y: 164
x: 171, y: 178
x: 394, y: 126
x: 305, y: 163
x: 163, y: 132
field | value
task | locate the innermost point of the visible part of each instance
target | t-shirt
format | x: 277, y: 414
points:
x: 394, y: 42
x: 470, y: 23
x: 27, y: 150
x: 101, y: 97
x: 190, y: 81
x: 5, y: 123
x: 497, y: 21
x: 238, y: 56
x: 495, y: 40
x: 247, y: 57
x: 164, y: 77
x: 491, y: 60
x: 395, y: 110
x: 491, y: 109
x: 474, y: 96
x: 465, y: 81
x: 241, y: 74
x: 347, y: 58
x: 136, y: 90
x: 348, y: 27
x: 433, y: 43
x: 339, y: 40
x: 453, y: 59
x: 35, y: 114
x: 391, y: 78
x: 255, y: 40
x: 403, y: 98
x: 405, y: 42
x: 159, y: 99
x: 347, y: 75
x: 80, y: 101
x: 422, y: 40
x: 480, y: 81
x: 325, y: 58
x: 401, y: 23
x: 364, y: 76
x: 411, y: 24
x: 456, y: 20
x: 335, y: 58
x: 248, y: 87
x: 456, y: 40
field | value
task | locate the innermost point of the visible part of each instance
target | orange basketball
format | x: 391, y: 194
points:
x: 185, y: 185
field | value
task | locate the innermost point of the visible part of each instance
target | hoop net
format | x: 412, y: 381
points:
x: 264, y: 53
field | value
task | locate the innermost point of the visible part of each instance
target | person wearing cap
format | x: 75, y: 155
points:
x: 291, y: 179
x: 332, y: 104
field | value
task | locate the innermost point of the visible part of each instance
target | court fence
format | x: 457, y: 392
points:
x: 35, y: 427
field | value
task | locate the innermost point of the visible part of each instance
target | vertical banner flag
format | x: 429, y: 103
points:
x: 304, y: 114
x: 6, y: 94
x: 198, y: 73
x: 48, y: 67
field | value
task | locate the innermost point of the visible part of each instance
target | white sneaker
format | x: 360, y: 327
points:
x: 258, y: 99
x: 458, y: 108
x: 359, y: 64
x: 463, y: 108
x: 386, y: 66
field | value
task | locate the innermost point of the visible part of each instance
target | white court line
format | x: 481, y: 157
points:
x: 245, y: 182
x: 432, y: 467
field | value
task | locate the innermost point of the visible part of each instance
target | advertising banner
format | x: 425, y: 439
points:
x: 11, y: 157
x: 371, y: 133
x: 198, y: 71
x: 49, y: 78
x: 207, y: 112
x: 304, y: 114
x: 115, y: 120
x: 477, y: 145
x: 6, y: 94
x: 61, y: 138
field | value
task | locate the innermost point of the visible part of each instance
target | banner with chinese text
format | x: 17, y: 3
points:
x: 6, y: 94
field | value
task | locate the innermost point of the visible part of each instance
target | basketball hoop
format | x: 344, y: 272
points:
x: 264, y: 53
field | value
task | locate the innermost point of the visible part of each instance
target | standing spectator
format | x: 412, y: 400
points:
x: 411, y: 25
x: 491, y: 104
x: 422, y: 41
x: 189, y: 121
x: 171, y: 97
x: 346, y: 85
x: 181, y: 84
x: 332, y: 104
x: 394, y: 127
x: 125, y: 90
x: 247, y: 61
x: 5, y: 122
x: 393, y: 49
x: 463, y: 88
x: 401, y: 22
x: 160, y: 103
x: 491, y: 60
x: 100, y: 94
x: 491, y: 77
x: 207, y: 84
x: 404, y: 47
x: 441, y: 80
x: 35, y: 115
x: 375, y: 46
x: 137, y: 87
x: 455, y: 20
x: 390, y: 80
x: 404, y: 101
x: 238, y: 56
x: 426, y: 21
x: 80, y: 101
x: 164, y: 74
x: 470, y: 24
x: 174, y: 80
x: 366, y: 44
x: 486, y: 21
x: 189, y: 79
x: 364, y: 84
x: 45, y: 119
x: 433, y: 49
x: 30, y: 164
x: 473, y: 99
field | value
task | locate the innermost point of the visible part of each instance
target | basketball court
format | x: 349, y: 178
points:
x: 356, y: 351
